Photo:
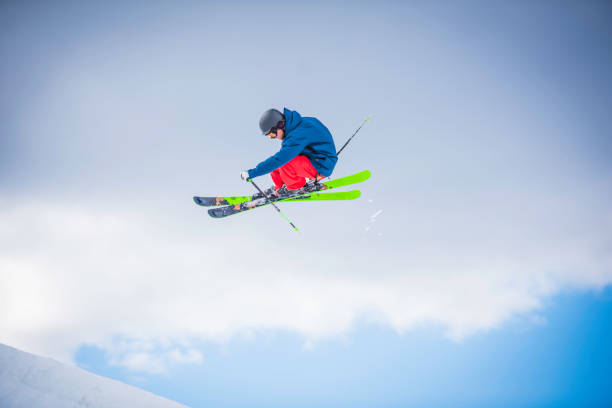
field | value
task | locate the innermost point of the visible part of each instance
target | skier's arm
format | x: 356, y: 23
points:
x: 291, y: 147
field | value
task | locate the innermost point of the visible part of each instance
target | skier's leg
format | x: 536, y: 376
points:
x: 277, y: 179
x: 295, y: 172
x: 304, y: 168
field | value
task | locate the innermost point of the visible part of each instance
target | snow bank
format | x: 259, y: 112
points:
x: 30, y: 381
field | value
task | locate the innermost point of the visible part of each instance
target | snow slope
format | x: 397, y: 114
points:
x: 30, y: 381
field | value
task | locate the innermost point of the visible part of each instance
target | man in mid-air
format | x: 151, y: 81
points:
x: 307, y: 152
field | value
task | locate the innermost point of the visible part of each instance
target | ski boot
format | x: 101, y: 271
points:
x: 284, y: 192
x: 268, y: 192
x: 314, y: 185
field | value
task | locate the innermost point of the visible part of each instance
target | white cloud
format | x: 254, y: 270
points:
x: 152, y: 356
x: 70, y: 276
x: 539, y: 320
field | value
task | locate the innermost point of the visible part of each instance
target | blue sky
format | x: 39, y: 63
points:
x: 489, y: 146
x: 561, y: 360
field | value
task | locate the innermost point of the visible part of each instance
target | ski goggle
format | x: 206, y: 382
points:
x: 274, y: 129
x: 272, y: 132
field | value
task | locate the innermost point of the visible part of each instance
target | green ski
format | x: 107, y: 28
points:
x: 221, y: 212
x: 326, y: 185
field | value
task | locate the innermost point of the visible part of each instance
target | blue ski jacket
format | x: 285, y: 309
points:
x: 303, y: 136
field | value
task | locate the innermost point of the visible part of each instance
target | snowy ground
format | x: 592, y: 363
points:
x: 30, y: 381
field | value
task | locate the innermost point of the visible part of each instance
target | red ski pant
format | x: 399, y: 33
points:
x: 294, y: 173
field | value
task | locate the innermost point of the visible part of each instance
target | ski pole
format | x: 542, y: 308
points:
x: 274, y: 205
x: 350, y: 138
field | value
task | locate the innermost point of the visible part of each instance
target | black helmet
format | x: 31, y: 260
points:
x: 271, y: 119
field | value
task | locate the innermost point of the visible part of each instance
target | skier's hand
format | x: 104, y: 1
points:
x: 245, y: 176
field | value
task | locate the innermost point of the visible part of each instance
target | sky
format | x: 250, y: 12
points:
x: 485, y: 227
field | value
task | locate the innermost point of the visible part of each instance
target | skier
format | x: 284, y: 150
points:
x: 307, y: 152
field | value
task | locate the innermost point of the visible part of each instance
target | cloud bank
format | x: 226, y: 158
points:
x: 70, y: 276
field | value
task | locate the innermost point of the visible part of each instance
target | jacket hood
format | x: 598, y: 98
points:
x: 292, y: 120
